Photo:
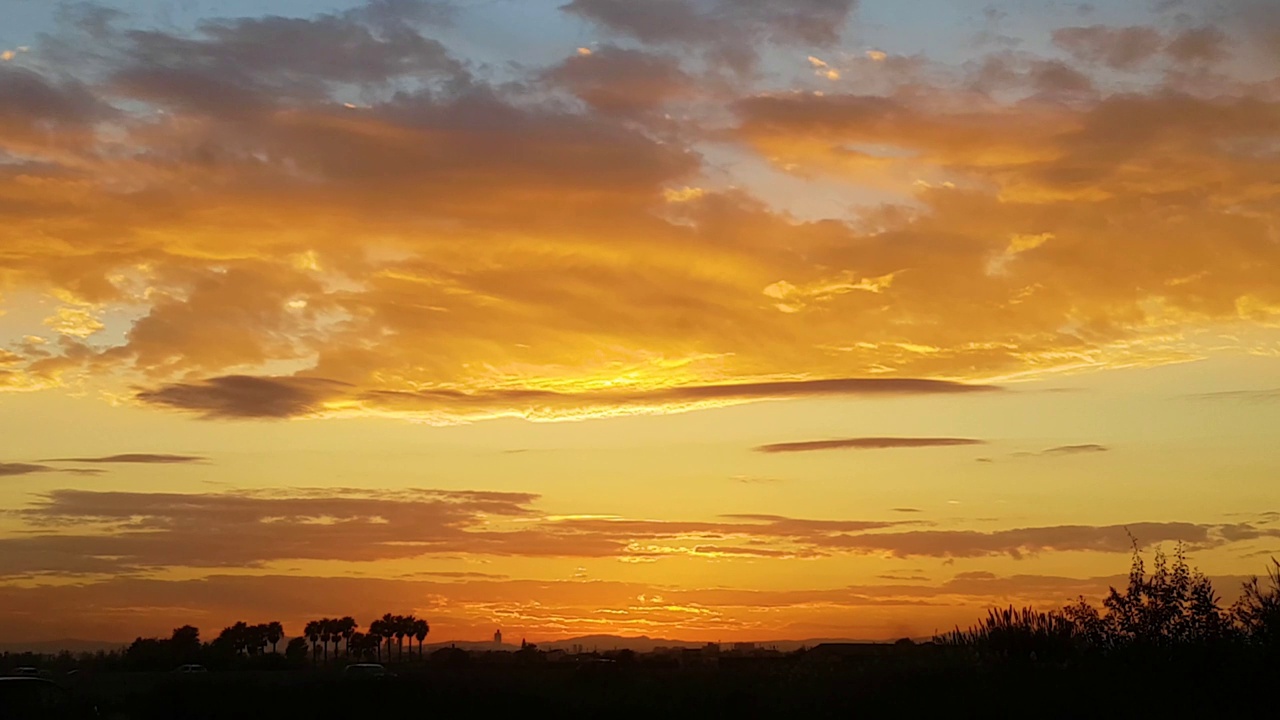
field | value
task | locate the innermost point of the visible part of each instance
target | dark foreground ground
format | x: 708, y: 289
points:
x: 1206, y: 690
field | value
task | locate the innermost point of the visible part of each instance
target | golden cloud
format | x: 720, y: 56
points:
x: 256, y: 244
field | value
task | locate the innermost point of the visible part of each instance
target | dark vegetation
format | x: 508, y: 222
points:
x: 1163, y: 645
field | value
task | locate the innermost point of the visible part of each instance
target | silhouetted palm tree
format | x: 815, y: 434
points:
x: 388, y: 631
x: 326, y: 635
x: 375, y: 637
x: 403, y: 627
x: 312, y: 631
x: 235, y: 638
x: 274, y: 633
x: 346, y: 628
x: 420, y: 631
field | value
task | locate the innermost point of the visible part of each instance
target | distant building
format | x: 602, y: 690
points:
x: 744, y: 646
x: 497, y: 637
x: 856, y: 653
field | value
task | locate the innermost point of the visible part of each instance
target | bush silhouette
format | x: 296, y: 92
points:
x: 1172, y: 611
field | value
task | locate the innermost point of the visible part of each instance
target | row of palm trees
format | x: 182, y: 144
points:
x: 241, y: 638
x: 343, y: 633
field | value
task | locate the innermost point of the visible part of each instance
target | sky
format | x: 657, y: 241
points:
x: 720, y: 320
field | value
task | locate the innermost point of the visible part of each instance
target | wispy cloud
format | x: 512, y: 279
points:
x: 755, y: 480
x: 134, y: 459
x: 18, y: 469
x: 1253, y: 396
x: 285, y: 397
x: 1076, y: 449
x: 1060, y: 451
x: 867, y: 443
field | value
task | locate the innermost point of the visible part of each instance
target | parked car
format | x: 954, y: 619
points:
x: 366, y: 670
x: 33, y: 698
x: 191, y: 669
x: 26, y: 672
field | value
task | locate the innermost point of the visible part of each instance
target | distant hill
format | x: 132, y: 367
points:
x: 644, y: 643
x: 53, y: 647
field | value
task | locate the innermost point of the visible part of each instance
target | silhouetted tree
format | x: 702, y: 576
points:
x: 420, y: 631
x: 312, y: 633
x: 185, y: 644
x: 388, y: 631
x: 403, y: 625
x: 274, y: 633
x: 1257, y: 612
x: 296, y: 650
x: 346, y: 627
x: 1173, y: 606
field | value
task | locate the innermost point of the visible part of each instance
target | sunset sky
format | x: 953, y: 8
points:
x: 697, y: 319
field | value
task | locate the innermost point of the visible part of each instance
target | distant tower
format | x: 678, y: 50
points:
x: 497, y: 637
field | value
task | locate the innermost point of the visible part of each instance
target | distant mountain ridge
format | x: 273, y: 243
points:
x: 644, y: 643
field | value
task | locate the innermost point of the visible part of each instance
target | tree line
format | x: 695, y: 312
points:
x: 343, y: 632
x: 244, y: 642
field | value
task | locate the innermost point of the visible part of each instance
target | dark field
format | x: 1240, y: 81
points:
x: 782, y: 688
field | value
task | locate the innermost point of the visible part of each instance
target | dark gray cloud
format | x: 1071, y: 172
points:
x: 867, y: 443
x: 283, y: 397
x: 729, y: 30
x: 1117, y: 48
x: 241, y: 65
x: 241, y: 396
x: 393, y: 13
x: 624, y: 82
x: 1203, y: 44
x: 40, y: 112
